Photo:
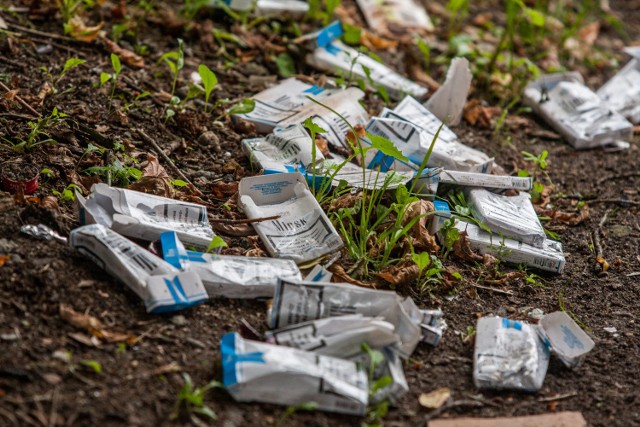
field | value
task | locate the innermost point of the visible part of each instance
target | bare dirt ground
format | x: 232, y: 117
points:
x: 44, y: 376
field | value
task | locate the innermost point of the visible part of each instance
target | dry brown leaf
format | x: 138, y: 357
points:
x: 419, y: 235
x: 90, y: 324
x: 50, y: 202
x: 11, y: 95
x: 45, y: 91
x: 435, y: 399
x: 568, y: 218
x: 223, y: 189
x: 346, y: 201
x: 256, y: 252
x: 475, y: 112
x: 462, y: 249
x: 340, y: 273
x: 237, y: 230
x: 506, y: 278
x: 603, y: 262
x: 154, y: 180
x: 373, y: 42
x: 126, y: 56
x: 3, y: 259
x: 81, y: 32
x: 400, y: 275
x: 322, y: 145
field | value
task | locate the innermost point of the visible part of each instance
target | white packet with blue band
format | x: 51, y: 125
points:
x: 161, y: 286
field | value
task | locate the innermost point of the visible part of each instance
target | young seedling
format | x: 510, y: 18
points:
x: 68, y: 194
x: 307, y: 406
x: 175, y: 62
x: 377, y: 412
x: 68, y: 65
x: 39, y: 133
x: 105, y: 77
x: 216, y: 243
x: 191, y: 399
x: 209, y: 80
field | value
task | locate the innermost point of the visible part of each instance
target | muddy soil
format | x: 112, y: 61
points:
x: 45, y: 376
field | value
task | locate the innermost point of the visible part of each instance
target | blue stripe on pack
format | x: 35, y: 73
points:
x: 328, y: 33
x: 230, y: 359
x: 170, y: 248
x: 314, y: 90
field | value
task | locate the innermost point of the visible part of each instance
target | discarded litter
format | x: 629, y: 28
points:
x: 265, y: 7
x: 333, y: 55
x: 556, y: 419
x: 302, y: 232
x: 143, y: 216
x: 256, y: 371
x: 622, y: 92
x: 161, y: 286
x: 509, y: 216
x: 575, y: 111
x: 508, y: 355
x: 287, y: 103
x: 447, y: 104
x: 319, y: 274
x: 229, y: 276
x: 403, y: 14
x: 567, y: 340
x: 485, y: 180
x: 42, y: 232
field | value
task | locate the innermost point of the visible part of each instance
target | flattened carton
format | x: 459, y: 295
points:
x: 144, y: 216
x: 548, y: 258
x: 442, y: 213
x: 302, y: 232
x: 576, y: 112
x: 485, y: 180
x: 508, y: 355
x: 265, y: 7
x: 565, y: 338
x: 230, y: 276
x: 412, y: 128
x: 622, y: 92
x: 161, y: 286
x: 288, y: 103
x: 258, y: 372
x: 333, y: 55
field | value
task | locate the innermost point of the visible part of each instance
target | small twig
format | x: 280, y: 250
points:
x: 611, y: 177
x: 598, y: 232
x: 626, y: 202
x: 41, y: 33
x: 21, y: 101
x: 500, y: 291
x: 166, y: 158
x: 558, y: 397
x: 244, y: 221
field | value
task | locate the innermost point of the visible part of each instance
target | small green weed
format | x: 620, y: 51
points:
x: 191, y: 400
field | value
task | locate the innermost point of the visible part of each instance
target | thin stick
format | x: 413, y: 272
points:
x: 166, y: 158
x: 558, y: 397
x: 500, y: 291
x: 21, y: 101
x: 245, y: 220
x: 627, y: 202
x: 623, y: 176
x: 41, y: 33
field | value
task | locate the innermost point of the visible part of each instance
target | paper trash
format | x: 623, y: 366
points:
x: 230, y: 276
x: 260, y: 372
x: 161, y: 286
x: 508, y: 355
x: 548, y: 258
x: 622, y: 92
x: 296, y: 302
x: 143, y: 216
x: 339, y: 336
x: 508, y: 216
x: 448, y: 102
x: 265, y: 7
x: 381, y: 15
x: 303, y: 232
x: 287, y: 103
x: 566, y: 339
x: 485, y: 180
x: 333, y: 55
x: 412, y: 128
x: 442, y: 213
x: 318, y: 274
x: 576, y: 112
x: 287, y: 150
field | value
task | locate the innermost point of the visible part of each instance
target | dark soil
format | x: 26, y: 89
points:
x: 42, y: 384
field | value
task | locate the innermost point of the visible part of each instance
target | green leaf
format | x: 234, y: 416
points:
x: 386, y: 147
x: 178, y: 183
x: 313, y: 128
x: 286, y: 66
x: 351, y: 34
x: 376, y: 357
x: 71, y: 63
x: 209, y: 80
x: 104, y: 77
x: 115, y: 63
x: 536, y: 17
x: 243, y: 107
x: 92, y: 364
x: 422, y: 260
x: 207, y: 412
x: 180, y: 59
x: 381, y: 383
x: 216, y: 243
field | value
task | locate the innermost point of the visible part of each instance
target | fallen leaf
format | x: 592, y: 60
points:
x: 419, y: 235
x: 373, y: 42
x: 126, y: 56
x: 475, y: 112
x: 154, y: 180
x: 81, y: 32
x: 91, y: 324
x: 435, y: 399
x: 223, y: 189
x: 400, y: 275
x: 45, y: 91
x: 50, y: 202
x: 340, y: 273
x: 603, y: 262
x: 462, y: 249
x: 3, y: 259
x: 237, y: 230
x: 505, y: 278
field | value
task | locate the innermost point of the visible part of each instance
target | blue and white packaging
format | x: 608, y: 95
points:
x: 303, y: 231
x: 333, y: 55
x: 144, y: 216
x: 442, y: 213
x: 407, y: 14
x: 508, y: 355
x: 258, y: 372
x: 576, y: 112
x: 622, y: 92
x: 485, y: 180
x: 161, y: 286
x: 230, y: 276
x: 508, y: 216
x: 319, y: 274
x: 565, y: 338
x: 265, y: 7
x: 288, y: 103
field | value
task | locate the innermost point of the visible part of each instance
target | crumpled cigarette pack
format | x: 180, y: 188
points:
x: 144, y: 216
x: 230, y: 276
x: 622, y: 92
x: 508, y: 216
x: 296, y: 302
x: 266, y: 7
x: 288, y: 103
x: 485, y: 180
x: 548, y: 258
x: 565, y: 338
x: 303, y: 231
x: 259, y: 372
x: 576, y: 112
x: 395, y: 13
x: 333, y: 55
x: 508, y: 355
x: 161, y: 286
